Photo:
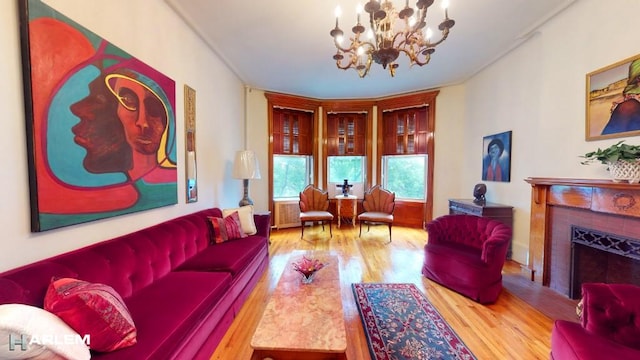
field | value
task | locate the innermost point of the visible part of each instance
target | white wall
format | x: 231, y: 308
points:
x: 538, y: 92
x: 152, y: 32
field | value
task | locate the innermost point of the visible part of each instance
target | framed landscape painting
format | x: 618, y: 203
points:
x: 101, y: 125
x: 613, y: 100
x: 496, y: 157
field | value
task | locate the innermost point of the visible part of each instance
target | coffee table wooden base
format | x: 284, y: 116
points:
x: 295, y: 355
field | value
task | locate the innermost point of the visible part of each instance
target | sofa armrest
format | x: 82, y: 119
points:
x: 495, y: 250
x: 495, y: 247
x: 569, y: 341
x: 263, y: 224
x: 612, y: 311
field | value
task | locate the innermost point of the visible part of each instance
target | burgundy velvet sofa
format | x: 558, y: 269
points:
x: 182, y: 292
x: 466, y: 253
x: 609, y: 327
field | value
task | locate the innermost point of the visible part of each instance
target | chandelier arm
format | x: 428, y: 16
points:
x: 374, y: 28
x: 365, y: 71
x: 423, y: 16
x: 445, y: 34
x: 412, y: 57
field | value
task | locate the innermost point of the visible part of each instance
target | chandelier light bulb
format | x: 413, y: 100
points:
x: 359, y: 9
x: 412, y: 21
x: 360, y: 50
x: 338, y: 11
x: 428, y: 33
x: 339, y: 39
x: 444, y: 4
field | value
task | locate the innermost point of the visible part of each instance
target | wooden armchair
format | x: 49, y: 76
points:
x: 378, y: 207
x: 314, y: 205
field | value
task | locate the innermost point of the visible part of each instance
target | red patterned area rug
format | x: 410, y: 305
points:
x: 400, y: 323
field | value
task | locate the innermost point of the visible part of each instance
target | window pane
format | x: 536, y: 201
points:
x: 290, y: 175
x: 345, y: 167
x: 406, y: 175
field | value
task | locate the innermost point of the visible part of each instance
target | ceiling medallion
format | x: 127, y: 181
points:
x: 390, y: 33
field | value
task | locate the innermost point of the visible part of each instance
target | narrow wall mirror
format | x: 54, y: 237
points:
x: 191, y: 180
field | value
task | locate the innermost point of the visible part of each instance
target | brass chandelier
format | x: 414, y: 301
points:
x: 390, y: 33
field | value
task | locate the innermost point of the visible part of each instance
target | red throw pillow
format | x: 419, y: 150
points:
x: 233, y: 226
x: 219, y: 230
x: 93, y: 309
x: 226, y: 228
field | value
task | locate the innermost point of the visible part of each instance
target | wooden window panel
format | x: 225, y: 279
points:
x: 346, y: 134
x: 405, y: 131
x: 292, y: 132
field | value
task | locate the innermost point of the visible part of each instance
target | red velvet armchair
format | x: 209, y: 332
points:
x: 609, y: 327
x: 466, y: 253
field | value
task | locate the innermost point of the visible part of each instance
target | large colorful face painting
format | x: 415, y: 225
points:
x: 100, y: 124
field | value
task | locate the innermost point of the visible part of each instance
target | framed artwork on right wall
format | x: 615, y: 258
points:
x: 613, y: 100
x: 496, y: 157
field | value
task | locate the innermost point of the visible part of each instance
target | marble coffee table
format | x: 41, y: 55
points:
x: 303, y: 321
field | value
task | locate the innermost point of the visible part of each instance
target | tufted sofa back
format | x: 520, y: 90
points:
x: 312, y: 198
x: 126, y: 263
x: 379, y: 200
x: 489, y: 236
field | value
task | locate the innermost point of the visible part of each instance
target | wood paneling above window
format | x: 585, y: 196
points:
x: 405, y: 131
x: 346, y: 134
x: 292, y: 132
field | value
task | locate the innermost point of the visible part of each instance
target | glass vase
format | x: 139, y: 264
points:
x: 307, y: 279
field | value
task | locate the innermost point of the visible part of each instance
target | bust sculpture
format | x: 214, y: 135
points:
x: 478, y: 193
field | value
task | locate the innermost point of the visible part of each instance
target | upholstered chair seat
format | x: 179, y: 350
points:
x: 314, y: 205
x: 378, y: 205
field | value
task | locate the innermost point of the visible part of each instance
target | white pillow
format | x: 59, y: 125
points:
x: 246, y: 218
x: 45, y: 335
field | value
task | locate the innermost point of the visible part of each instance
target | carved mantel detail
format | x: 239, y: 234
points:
x: 600, y: 196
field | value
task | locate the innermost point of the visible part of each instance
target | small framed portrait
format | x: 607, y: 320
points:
x: 496, y: 157
x: 613, y: 100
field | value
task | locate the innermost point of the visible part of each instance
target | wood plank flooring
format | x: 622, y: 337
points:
x: 517, y: 326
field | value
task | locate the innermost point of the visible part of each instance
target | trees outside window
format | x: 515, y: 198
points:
x: 291, y: 173
x: 405, y: 175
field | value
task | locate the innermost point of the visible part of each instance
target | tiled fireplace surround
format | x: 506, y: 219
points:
x: 610, y: 209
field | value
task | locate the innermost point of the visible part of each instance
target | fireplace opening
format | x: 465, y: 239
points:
x: 597, y: 256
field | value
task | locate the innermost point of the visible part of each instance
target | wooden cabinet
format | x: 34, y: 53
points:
x: 502, y: 213
x: 347, y: 208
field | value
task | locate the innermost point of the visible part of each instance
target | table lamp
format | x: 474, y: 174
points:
x: 245, y: 167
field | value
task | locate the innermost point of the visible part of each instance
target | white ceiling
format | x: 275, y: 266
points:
x: 285, y: 46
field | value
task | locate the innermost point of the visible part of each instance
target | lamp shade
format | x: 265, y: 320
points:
x: 246, y: 165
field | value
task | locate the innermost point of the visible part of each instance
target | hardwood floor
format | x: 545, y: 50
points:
x: 517, y: 326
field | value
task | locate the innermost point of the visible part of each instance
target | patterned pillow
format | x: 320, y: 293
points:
x: 233, y: 226
x: 245, y: 214
x: 93, y: 309
x: 219, y: 231
x: 226, y: 228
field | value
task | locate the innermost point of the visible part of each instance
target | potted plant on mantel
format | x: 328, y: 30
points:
x: 623, y: 161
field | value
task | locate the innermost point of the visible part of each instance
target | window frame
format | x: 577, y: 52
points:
x: 427, y: 99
